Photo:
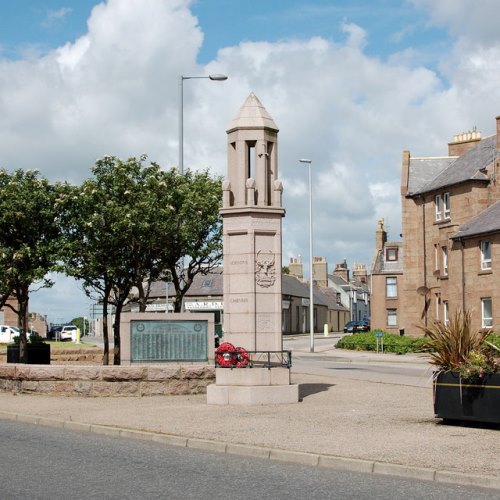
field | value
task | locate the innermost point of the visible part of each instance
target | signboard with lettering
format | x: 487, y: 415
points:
x: 204, y: 305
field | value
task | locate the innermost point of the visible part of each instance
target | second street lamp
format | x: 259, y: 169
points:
x: 311, y: 288
x: 215, y: 77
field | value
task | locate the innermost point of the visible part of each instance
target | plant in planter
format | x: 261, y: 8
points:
x: 38, y: 350
x: 467, y: 383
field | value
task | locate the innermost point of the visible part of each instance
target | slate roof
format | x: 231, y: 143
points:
x: 423, y: 171
x: 488, y: 221
x: 290, y: 285
x: 331, y: 297
x: 204, y: 285
x: 468, y: 167
x: 211, y: 284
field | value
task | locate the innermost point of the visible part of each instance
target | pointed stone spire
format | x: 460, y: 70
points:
x: 252, y: 115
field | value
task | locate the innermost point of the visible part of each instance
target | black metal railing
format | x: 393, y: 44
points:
x: 241, y: 358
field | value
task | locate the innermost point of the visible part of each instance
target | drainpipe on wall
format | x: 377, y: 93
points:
x: 425, y: 250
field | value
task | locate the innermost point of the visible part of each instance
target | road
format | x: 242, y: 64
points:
x: 46, y: 463
x: 326, y: 361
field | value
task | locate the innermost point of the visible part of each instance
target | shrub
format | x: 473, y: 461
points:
x: 455, y: 347
x: 392, y: 342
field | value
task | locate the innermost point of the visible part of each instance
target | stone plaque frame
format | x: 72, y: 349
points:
x: 128, y: 320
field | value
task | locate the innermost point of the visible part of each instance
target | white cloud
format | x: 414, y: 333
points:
x: 55, y: 16
x: 115, y: 91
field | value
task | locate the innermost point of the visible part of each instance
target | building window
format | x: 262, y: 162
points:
x: 444, y: 252
x: 339, y: 298
x: 206, y: 283
x: 391, y: 287
x: 446, y: 317
x: 438, y: 202
x: 446, y: 205
x: 391, y: 254
x: 442, y: 202
x: 486, y: 312
x: 436, y: 257
x: 485, y: 254
x: 392, y: 317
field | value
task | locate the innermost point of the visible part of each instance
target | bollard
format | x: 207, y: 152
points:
x: 325, y: 330
x: 77, y: 341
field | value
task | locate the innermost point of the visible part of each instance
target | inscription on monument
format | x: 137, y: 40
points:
x: 264, y: 322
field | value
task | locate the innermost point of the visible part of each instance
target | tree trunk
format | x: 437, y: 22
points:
x: 105, y: 333
x: 142, y: 297
x: 116, y: 334
x: 23, y: 299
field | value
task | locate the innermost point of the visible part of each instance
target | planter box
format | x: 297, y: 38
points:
x: 38, y: 354
x: 458, y: 399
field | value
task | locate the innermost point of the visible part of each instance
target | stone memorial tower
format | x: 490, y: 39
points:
x: 252, y: 214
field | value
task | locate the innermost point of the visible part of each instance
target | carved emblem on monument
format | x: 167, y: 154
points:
x: 265, y: 269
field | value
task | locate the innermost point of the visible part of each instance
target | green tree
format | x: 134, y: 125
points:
x: 29, y: 240
x: 191, y: 241
x: 131, y: 225
x: 82, y: 324
x: 103, y: 237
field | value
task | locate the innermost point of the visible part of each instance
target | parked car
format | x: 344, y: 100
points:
x: 349, y: 327
x: 7, y: 333
x: 357, y: 326
x: 68, y: 332
x: 363, y: 326
x: 53, y: 333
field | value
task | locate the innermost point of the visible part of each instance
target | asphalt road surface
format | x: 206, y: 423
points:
x: 45, y: 463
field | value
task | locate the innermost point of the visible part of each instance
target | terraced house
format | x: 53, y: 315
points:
x: 449, y: 256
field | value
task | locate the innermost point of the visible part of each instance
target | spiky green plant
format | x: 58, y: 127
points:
x: 450, y: 345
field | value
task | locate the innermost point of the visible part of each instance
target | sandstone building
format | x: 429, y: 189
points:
x: 449, y: 256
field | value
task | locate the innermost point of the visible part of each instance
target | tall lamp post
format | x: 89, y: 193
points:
x: 311, y: 289
x: 217, y: 78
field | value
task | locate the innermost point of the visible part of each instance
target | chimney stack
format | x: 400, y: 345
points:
x: 295, y: 268
x: 320, y: 271
x: 464, y: 142
x: 380, y: 236
x: 342, y: 271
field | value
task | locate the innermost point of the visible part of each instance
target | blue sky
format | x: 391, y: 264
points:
x: 37, y: 26
x: 350, y: 84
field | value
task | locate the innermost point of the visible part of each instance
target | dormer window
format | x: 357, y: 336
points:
x: 442, y: 202
x: 391, y: 254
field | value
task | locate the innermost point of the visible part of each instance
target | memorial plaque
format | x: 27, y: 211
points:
x: 168, y: 340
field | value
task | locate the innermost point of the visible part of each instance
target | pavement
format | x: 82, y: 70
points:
x: 340, y: 422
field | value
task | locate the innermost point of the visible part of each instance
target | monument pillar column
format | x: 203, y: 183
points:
x: 252, y: 215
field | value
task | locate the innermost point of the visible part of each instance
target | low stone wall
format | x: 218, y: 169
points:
x: 99, y: 381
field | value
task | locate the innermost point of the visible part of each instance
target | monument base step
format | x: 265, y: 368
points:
x: 252, y: 395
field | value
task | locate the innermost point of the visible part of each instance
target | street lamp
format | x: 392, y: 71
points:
x: 215, y: 77
x: 311, y: 300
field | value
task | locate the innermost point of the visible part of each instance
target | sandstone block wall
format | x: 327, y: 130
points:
x: 105, y: 381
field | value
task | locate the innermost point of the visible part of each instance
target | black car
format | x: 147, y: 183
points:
x: 349, y: 327
x: 54, y: 333
x: 362, y: 326
x: 357, y: 326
